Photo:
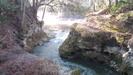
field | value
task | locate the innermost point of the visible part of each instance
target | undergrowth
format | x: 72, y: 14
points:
x: 116, y: 8
x: 6, y: 10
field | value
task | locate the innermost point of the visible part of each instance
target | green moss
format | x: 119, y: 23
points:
x: 77, y: 29
x: 129, y: 14
x: 100, y: 58
x: 31, y: 46
x: 119, y: 39
x: 114, y: 9
x: 118, y: 59
x: 93, y: 55
x: 126, y: 68
x: 123, y: 16
x: 44, y: 36
x: 112, y: 28
x: 35, y: 40
x: 64, y: 53
x: 76, y: 72
x: 90, y: 55
x: 86, y: 33
x: 30, y: 49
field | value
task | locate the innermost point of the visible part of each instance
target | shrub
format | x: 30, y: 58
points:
x: 117, y: 8
x: 6, y: 9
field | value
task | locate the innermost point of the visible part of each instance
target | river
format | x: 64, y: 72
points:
x: 49, y: 50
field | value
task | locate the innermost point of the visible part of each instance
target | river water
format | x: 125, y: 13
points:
x: 59, y: 29
x: 49, y: 50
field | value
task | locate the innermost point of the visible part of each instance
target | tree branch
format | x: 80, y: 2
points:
x: 9, y: 31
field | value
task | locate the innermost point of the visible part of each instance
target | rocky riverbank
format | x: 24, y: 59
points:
x: 18, y: 37
x: 102, y: 38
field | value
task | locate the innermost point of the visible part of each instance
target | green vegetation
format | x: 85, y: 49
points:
x: 6, y: 10
x: 126, y: 67
x: 73, y: 8
x: 117, y: 8
x: 120, y: 39
x: 76, y: 72
x: 96, y: 56
x: 112, y: 28
x: 129, y: 14
x: 77, y: 8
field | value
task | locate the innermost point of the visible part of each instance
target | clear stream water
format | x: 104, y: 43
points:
x: 49, y: 50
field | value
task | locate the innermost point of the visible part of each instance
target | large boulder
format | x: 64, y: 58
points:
x: 91, y: 43
x: 100, y: 38
x: 127, y: 65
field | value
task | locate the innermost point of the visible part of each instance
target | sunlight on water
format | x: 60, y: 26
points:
x: 55, y: 19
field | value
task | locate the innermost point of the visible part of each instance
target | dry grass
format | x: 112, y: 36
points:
x: 16, y: 61
x: 26, y: 64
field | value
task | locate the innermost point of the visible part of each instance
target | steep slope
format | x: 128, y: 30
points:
x: 19, y: 33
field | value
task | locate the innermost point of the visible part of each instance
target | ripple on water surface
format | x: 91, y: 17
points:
x: 50, y: 50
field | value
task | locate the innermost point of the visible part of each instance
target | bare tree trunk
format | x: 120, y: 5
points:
x: 24, y: 6
x: 109, y: 3
x: 21, y: 5
x: 94, y: 8
x: 116, y: 2
x: 44, y: 10
x: 33, y: 3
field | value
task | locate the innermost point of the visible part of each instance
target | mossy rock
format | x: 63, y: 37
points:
x: 98, y: 56
x: 119, y: 39
x: 35, y: 40
x: 122, y: 39
x: 129, y: 70
x: 64, y: 53
x: 31, y: 45
x: 126, y: 68
x: 76, y: 72
x: 117, y: 58
x: 112, y: 28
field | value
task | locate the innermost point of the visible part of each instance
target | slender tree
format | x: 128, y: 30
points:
x: 116, y: 2
x: 24, y: 8
x: 44, y: 10
x: 109, y: 2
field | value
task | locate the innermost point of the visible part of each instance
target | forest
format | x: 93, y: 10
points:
x: 104, y: 36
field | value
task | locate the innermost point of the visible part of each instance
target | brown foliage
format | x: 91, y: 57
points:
x: 26, y: 64
x: 14, y: 60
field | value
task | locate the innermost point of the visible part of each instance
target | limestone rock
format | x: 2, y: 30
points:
x: 128, y: 59
x: 99, y: 38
